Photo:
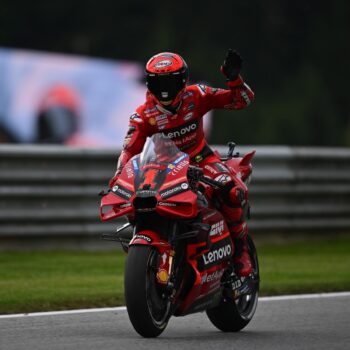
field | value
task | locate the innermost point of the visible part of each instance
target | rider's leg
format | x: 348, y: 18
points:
x: 235, y: 208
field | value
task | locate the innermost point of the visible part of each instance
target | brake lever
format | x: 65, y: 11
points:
x: 207, y: 180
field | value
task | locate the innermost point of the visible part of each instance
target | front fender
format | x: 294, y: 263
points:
x: 149, y: 237
x: 166, y: 254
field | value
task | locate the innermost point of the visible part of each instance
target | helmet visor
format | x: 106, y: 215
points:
x: 165, y: 86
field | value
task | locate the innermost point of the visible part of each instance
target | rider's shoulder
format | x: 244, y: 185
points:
x: 198, y: 89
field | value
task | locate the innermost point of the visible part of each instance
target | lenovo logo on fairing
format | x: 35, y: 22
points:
x: 181, y: 132
x: 217, y: 254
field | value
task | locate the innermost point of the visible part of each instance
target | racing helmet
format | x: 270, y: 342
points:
x: 166, y: 76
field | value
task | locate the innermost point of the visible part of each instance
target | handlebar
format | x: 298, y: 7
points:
x: 207, y: 180
x: 196, y: 174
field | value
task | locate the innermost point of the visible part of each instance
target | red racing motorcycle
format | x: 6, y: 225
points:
x: 179, y: 257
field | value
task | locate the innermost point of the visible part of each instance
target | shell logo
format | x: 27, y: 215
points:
x: 162, y: 276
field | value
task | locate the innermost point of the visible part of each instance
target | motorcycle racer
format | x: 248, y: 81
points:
x: 175, y: 108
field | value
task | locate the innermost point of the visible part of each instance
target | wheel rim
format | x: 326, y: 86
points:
x: 246, y: 305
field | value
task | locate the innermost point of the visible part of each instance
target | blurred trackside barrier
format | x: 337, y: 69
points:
x: 49, y: 193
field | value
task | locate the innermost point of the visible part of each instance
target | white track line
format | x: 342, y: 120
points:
x: 65, y: 312
x: 304, y: 296
x: 123, y: 308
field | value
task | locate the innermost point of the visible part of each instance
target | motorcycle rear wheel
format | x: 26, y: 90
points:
x: 149, y: 311
x: 233, y: 315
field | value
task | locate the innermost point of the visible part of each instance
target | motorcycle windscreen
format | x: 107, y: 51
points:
x: 154, y: 163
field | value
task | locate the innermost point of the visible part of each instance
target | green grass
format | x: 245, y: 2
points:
x: 321, y: 266
x: 60, y: 280
x: 38, y: 281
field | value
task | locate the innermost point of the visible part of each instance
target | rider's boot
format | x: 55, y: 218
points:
x: 241, y: 257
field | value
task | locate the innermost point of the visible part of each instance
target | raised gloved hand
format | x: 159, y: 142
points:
x: 232, y: 65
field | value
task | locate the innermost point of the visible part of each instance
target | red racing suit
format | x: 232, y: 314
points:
x: 185, y: 127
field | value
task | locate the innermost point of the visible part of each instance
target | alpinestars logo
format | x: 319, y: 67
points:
x: 223, y: 178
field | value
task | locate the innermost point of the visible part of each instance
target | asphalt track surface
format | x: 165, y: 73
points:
x: 307, y: 322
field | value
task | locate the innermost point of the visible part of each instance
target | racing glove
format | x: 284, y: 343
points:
x: 232, y: 65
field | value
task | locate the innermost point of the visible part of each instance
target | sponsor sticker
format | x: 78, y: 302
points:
x: 135, y: 165
x: 181, y: 131
x: 152, y: 121
x: 145, y: 193
x: 211, y: 277
x: 210, y: 169
x: 122, y: 192
x: 188, y: 116
x: 125, y: 205
x: 167, y: 204
x: 221, y: 167
x: 223, y: 178
x: 164, y: 63
x: 162, y: 122
x: 161, y: 117
x: 221, y: 250
x: 129, y: 171
x: 136, y: 118
x: 217, y: 254
x: 217, y: 228
x: 178, y: 160
x: 179, y: 167
x: 245, y: 97
x: 172, y: 191
x: 143, y: 237
x: 151, y: 110
x: 198, y: 158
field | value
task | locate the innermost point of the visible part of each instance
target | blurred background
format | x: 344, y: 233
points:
x: 71, y: 72
x: 296, y: 57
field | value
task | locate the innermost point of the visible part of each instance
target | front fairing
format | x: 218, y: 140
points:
x: 155, y: 180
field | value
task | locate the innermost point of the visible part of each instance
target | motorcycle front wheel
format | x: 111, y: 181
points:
x: 233, y: 315
x: 148, y: 307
